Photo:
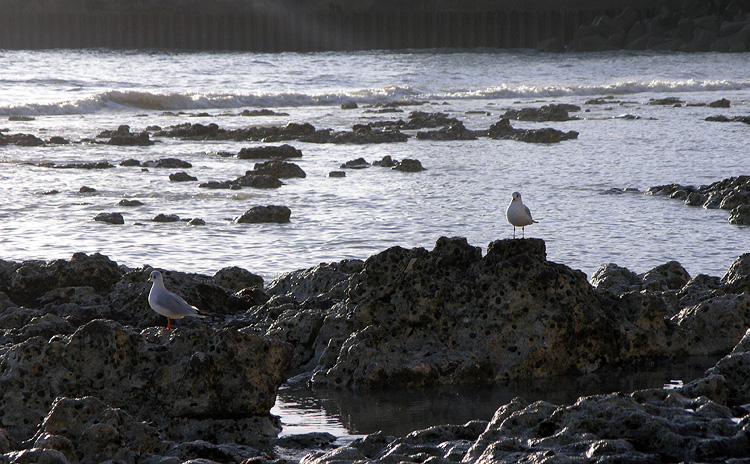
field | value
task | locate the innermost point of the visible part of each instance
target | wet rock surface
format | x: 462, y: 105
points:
x: 86, y: 371
x: 503, y: 130
x: 732, y: 194
x: 271, y: 213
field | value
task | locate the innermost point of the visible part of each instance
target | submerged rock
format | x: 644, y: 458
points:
x: 553, y: 112
x: 274, y: 152
x: 732, y: 194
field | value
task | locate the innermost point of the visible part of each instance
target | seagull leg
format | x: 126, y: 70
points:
x: 169, y: 325
x: 514, y: 231
x: 523, y: 232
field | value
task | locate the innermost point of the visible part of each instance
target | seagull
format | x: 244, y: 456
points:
x: 518, y: 214
x: 167, y: 303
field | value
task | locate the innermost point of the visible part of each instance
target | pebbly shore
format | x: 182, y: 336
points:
x: 87, y: 375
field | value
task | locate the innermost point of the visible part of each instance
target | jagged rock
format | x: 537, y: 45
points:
x: 324, y: 278
x: 412, y: 318
x: 386, y: 162
x: 409, y: 165
x: 553, y: 112
x: 737, y: 278
x: 362, y: 134
x: 275, y: 152
x: 740, y: 215
x: 337, y: 174
x: 185, y: 382
x: 280, y: 169
x: 182, y: 176
x: 235, y: 278
x: 262, y: 112
x: 732, y: 193
x: 359, y: 163
x: 112, y: 218
x: 455, y: 131
x: 615, y: 279
x: 503, y: 130
x: 714, y: 326
x: 271, y: 213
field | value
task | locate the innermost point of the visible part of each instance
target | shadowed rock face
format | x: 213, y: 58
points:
x: 414, y: 317
x: 189, y: 375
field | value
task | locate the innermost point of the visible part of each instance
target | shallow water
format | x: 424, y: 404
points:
x: 349, y: 415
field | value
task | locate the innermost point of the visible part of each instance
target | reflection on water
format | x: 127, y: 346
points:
x: 397, y: 412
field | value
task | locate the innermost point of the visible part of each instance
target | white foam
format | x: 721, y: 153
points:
x: 117, y: 100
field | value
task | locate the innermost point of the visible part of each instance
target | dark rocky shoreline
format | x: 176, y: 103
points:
x: 86, y: 374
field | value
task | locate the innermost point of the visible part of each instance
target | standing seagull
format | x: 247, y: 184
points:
x: 167, y: 303
x: 518, y: 214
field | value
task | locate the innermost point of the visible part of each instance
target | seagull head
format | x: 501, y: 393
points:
x: 155, y: 277
x: 516, y: 196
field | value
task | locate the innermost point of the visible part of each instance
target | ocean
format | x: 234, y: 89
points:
x: 624, y: 143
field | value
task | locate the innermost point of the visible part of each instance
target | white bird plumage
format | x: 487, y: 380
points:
x: 518, y: 214
x: 167, y: 303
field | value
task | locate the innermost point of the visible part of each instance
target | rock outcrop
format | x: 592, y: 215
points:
x: 731, y: 194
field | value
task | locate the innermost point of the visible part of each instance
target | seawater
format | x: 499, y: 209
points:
x: 463, y: 191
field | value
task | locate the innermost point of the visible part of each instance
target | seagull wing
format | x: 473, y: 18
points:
x: 175, y: 305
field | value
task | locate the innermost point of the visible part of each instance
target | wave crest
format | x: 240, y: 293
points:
x: 120, y: 100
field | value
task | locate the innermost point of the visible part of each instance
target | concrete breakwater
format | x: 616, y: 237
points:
x: 266, y: 31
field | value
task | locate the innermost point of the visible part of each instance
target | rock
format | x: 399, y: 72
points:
x: 258, y: 214
x: 714, y: 326
x: 306, y: 440
x: 22, y: 140
x: 503, y: 130
x: 161, y: 217
x: 250, y: 179
x: 30, y: 280
x: 615, y: 279
x: 129, y: 203
x: 319, y: 280
x: 196, y: 222
x: 85, y: 189
x: 666, y: 101
x: 350, y: 105
x: 275, y: 152
x: 553, y: 112
x: 359, y: 163
x: 57, y: 140
x: 740, y: 215
x: 112, y: 218
x: 386, y: 162
x: 130, y: 162
x: 182, y: 176
x: 668, y: 276
x: 432, y: 309
x: 184, y: 384
x: 362, y: 134
x: 337, y: 174
x: 455, y: 131
x: 235, y: 278
x: 280, y: 169
x: 91, y: 165
x: 723, y: 103
x: 262, y: 112
x: 169, y: 163
x: 409, y: 165
x: 737, y: 278
x: 732, y: 193
x: 123, y: 136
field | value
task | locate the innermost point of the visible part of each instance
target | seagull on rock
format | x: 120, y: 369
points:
x: 518, y: 214
x: 167, y: 303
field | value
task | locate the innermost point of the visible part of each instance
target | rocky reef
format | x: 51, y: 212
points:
x: 732, y: 194
x: 87, y: 374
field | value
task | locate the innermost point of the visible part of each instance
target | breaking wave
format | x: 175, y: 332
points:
x: 117, y: 100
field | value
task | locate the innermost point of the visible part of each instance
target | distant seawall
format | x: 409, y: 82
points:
x: 290, y: 31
